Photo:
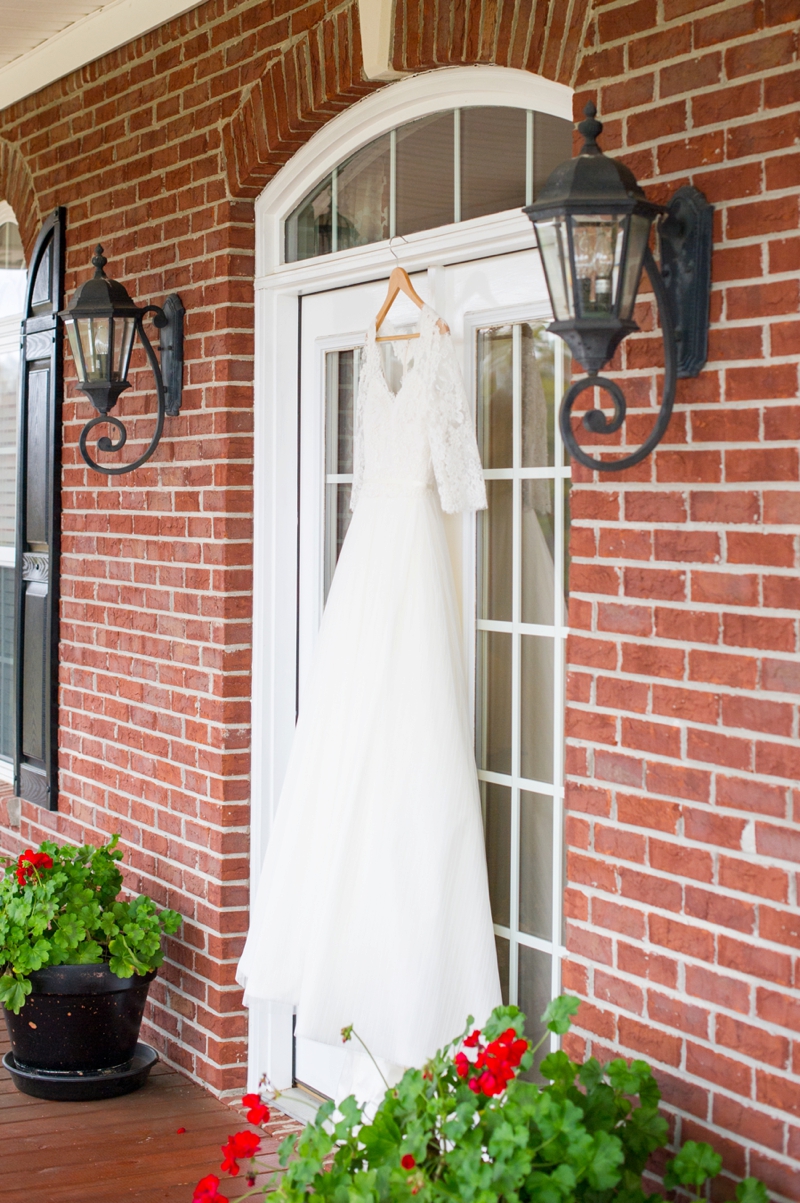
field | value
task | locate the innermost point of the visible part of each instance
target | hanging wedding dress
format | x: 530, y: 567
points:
x: 373, y: 904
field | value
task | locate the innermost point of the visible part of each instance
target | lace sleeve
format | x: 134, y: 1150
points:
x: 451, y: 432
x: 358, y: 433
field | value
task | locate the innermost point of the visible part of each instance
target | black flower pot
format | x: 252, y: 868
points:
x: 79, y: 1025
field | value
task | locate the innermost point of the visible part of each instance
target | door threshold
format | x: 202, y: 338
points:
x: 299, y: 1103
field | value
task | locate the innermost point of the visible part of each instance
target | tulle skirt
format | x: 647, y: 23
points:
x: 373, y: 905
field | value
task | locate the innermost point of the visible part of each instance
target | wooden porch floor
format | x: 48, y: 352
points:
x: 123, y: 1150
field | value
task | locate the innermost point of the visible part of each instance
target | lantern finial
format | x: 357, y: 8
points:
x: 99, y: 261
x: 591, y: 130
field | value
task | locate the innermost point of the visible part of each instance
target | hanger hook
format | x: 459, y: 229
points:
x: 391, y: 248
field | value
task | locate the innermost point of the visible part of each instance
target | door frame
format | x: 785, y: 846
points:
x: 278, y: 286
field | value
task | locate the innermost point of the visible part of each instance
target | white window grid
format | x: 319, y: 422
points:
x: 560, y: 472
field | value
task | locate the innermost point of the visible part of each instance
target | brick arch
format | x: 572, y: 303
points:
x: 321, y: 72
x: 542, y: 36
x: 16, y: 187
x: 314, y: 79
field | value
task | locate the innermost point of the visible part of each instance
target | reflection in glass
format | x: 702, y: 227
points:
x: 537, y: 401
x: 538, y: 547
x: 534, y: 995
x: 493, y: 144
x: 536, y: 865
x: 6, y: 663
x: 425, y: 180
x: 536, y: 707
x: 551, y: 235
x: 638, y: 236
x: 497, y: 820
x: 495, y: 538
x: 496, y: 397
x: 494, y: 692
x: 309, y: 228
x: 362, y: 195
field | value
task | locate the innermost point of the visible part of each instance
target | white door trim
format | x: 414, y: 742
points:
x: 277, y: 287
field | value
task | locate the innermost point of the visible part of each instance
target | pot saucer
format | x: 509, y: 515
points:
x: 77, y: 1087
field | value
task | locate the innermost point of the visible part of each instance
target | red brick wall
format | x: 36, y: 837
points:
x: 156, y: 567
x: 684, y: 819
x: 684, y: 674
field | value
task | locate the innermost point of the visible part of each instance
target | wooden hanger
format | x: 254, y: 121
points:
x: 400, y: 281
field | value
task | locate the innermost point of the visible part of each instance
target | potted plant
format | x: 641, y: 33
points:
x: 76, y: 963
x: 466, y: 1128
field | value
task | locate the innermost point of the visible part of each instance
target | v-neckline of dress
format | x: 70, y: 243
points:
x: 428, y: 318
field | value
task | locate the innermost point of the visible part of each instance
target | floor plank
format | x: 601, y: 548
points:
x: 124, y: 1150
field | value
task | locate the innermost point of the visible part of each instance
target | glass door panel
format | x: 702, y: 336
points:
x: 521, y: 627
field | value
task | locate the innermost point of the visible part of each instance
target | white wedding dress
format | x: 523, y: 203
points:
x: 373, y: 904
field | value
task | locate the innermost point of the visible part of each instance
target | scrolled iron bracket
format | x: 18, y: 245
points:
x: 168, y: 375
x: 597, y: 422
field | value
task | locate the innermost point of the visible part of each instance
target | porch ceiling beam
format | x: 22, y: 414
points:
x: 82, y: 42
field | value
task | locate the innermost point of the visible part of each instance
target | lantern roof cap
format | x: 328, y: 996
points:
x: 591, y: 180
x: 100, y: 296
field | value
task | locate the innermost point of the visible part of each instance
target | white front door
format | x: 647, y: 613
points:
x: 509, y: 568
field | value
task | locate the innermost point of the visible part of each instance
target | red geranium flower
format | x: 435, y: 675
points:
x: 408, y: 1161
x: 29, y: 862
x: 258, y: 1112
x: 495, y: 1065
x: 240, y: 1147
x: 472, y: 1041
x: 206, y: 1191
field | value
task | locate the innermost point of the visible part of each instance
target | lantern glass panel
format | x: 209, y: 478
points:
x: 638, y: 235
x: 598, y: 242
x: 123, y: 340
x: 75, y: 347
x: 95, y: 336
x: 552, y: 237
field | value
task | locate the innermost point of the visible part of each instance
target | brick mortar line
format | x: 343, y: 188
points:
x: 655, y: 759
x: 647, y: 908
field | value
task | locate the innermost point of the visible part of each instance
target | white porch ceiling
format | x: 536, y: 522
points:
x: 42, y: 40
x: 26, y: 26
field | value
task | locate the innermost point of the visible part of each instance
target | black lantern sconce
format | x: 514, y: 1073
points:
x: 592, y: 223
x: 102, y: 321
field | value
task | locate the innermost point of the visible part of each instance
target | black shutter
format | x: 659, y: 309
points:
x: 39, y: 522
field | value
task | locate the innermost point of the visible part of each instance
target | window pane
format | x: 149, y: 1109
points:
x: 552, y: 144
x: 9, y: 387
x: 309, y: 228
x: 6, y: 661
x: 494, y: 693
x: 538, y: 542
x: 492, y: 160
x: 12, y: 256
x: 536, y: 718
x: 534, y: 995
x: 536, y: 865
x: 538, y: 417
x: 362, y: 195
x: 496, y: 397
x: 496, y: 550
x: 341, y: 380
x: 502, y: 946
x: 497, y: 811
x: 425, y: 193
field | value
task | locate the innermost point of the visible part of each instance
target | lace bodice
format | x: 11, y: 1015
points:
x: 423, y: 435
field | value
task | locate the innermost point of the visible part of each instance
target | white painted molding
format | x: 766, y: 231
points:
x: 84, y: 41
x: 376, y: 20
x: 7, y: 213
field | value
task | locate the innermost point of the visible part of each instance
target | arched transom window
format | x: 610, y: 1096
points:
x: 447, y: 167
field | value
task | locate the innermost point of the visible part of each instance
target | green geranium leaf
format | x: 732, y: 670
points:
x: 751, y: 1191
x: 694, y: 1165
x: 603, y: 1171
x: 13, y: 992
x: 501, y: 1019
x: 558, y: 1016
